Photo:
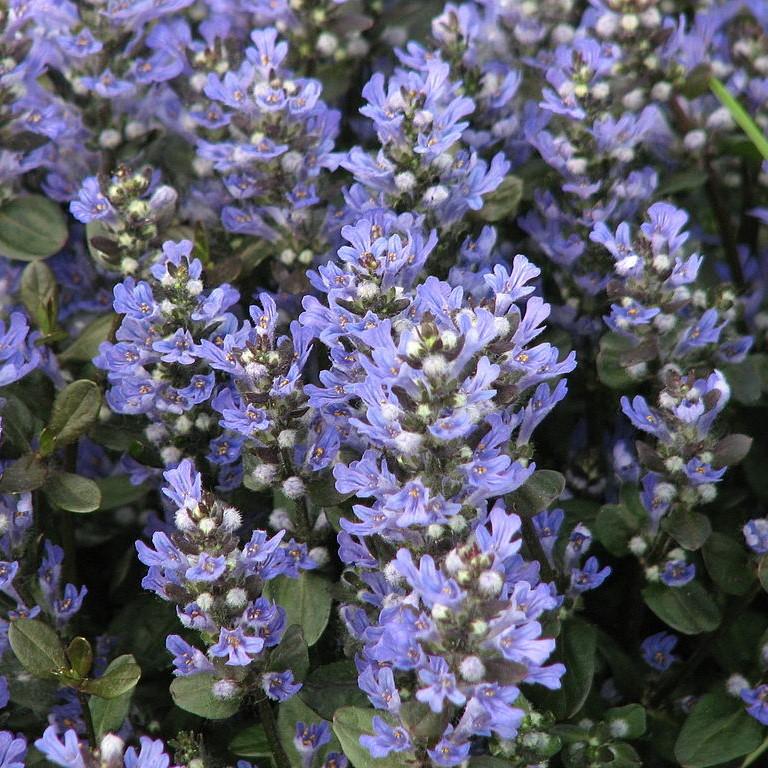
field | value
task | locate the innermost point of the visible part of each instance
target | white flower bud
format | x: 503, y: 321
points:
x: 319, y: 555
x: 326, y: 44
x: 434, y: 531
x: 170, y: 455
x: 490, y: 583
x: 472, y: 669
x: 408, y: 442
x: 128, y: 266
x: 630, y: 22
x: 291, y: 161
x: 205, y: 601
x: 637, y: 546
x: 735, y: 684
x: 453, y: 562
x: 110, y: 139
x: 695, y: 139
x: 607, y: 24
x: 405, y: 181
x: 674, y: 464
x: 225, y: 689
x: 237, y: 598
x: 665, y: 492
x: 707, y: 492
x: 111, y: 748
x: 263, y: 474
x: 435, y: 196
x: 368, y: 291
x: 287, y: 438
x: 207, y: 526
x: 440, y: 612
x: 618, y: 728
x: 652, y: 573
x: 231, y: 519
x: 280, y: 519
x: 601, y: 91
x: 435, y: 365
x: 293, y: 487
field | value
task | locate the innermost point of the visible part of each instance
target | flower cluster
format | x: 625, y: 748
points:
x: 156, y: 366
x: 217, y: 585
x: 454, y: 637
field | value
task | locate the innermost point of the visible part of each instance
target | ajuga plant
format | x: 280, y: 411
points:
x: 383, y: 384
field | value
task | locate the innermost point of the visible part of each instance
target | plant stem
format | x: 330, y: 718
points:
x: 536, y: 550
x: 752, y: 756
x: 83, y: 699
x: 270, y: 729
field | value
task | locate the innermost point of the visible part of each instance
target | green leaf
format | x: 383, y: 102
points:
x: 717, y: 731
x: 539, y: 491
x: 727, y: 564
x: 251, y: 742
x: 504, y: 201
x: 684, y: 181
x: 762, y: 572
x: 85, y: 347
x: 614, y: 526
x: 632, y: 715
x: 349, y: 723
x: 121, y: 676
x: 19, y: 425
x: 331, y: 687
x: 37, y: 647
x: 610, y: 369
x: 296, y: 711
x: 744, y: 380
x: 31, y: 227
x: 306, y: 600
x: 80, y: 656
x: 291, y: 653
x: 40, y: 295
x: 731, y: 450
x: 75, y: 408
x: 72, y: 492
x: 622, y: 756
x: 688, y: 528
x: 26, y: 474
x: 577, y: 649
x: 688, y: 609
x: 194, y: 693
x: 108, y: 715
x: 740, y: 116
x: 117, y: 491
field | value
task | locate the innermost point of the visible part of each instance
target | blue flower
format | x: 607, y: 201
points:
x: 385, y: 739
x: 310, y: 737
x: 66, y: 753
x: 657, y: 650
x: 677, y: 573
x: 208, y: 568
x: 589, y: 577
x: 756, y: 700
x: 441, y: 685
x: 756, y: 535
x: 279, y: 685
x: 13, y: 750
x: 237, y: 647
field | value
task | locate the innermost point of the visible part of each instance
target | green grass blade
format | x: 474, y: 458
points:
x: 741, y: 116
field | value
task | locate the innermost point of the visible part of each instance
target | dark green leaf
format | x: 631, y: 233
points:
x: 40, y: 295
x: 577, y: 649
x: 539, y: 491
x: 614, y: 526
x: 717, y: 731
x: 331, y: 687
x: 688, y: 528
x: 744, y: 380
x: 306, y: 600
x: 117, y: 491
x: 26, y: 474
x: 622, y: 756
x: 37, y: 647
x: 76, y: 407
x: 610, y: 368
x: 84, y: 348
x: 72, y: 492
x: 19, y: 425
x: 80, y: 656
x: 31, y: 227
x: 108, y: 715
x: 121, y: 676
x: 633, y: 718
x: 503, y: 202
x: 291, y: 653
x: 731, y: 450
x: 251, y: 742
x: 688, y: 609
x: 684, y: 181
x: 349, y: 723
x: 194, y: 693
x: 289, y: 713
x: 727, y: 564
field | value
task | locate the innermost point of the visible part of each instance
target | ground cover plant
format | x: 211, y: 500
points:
x: 382, y: 383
